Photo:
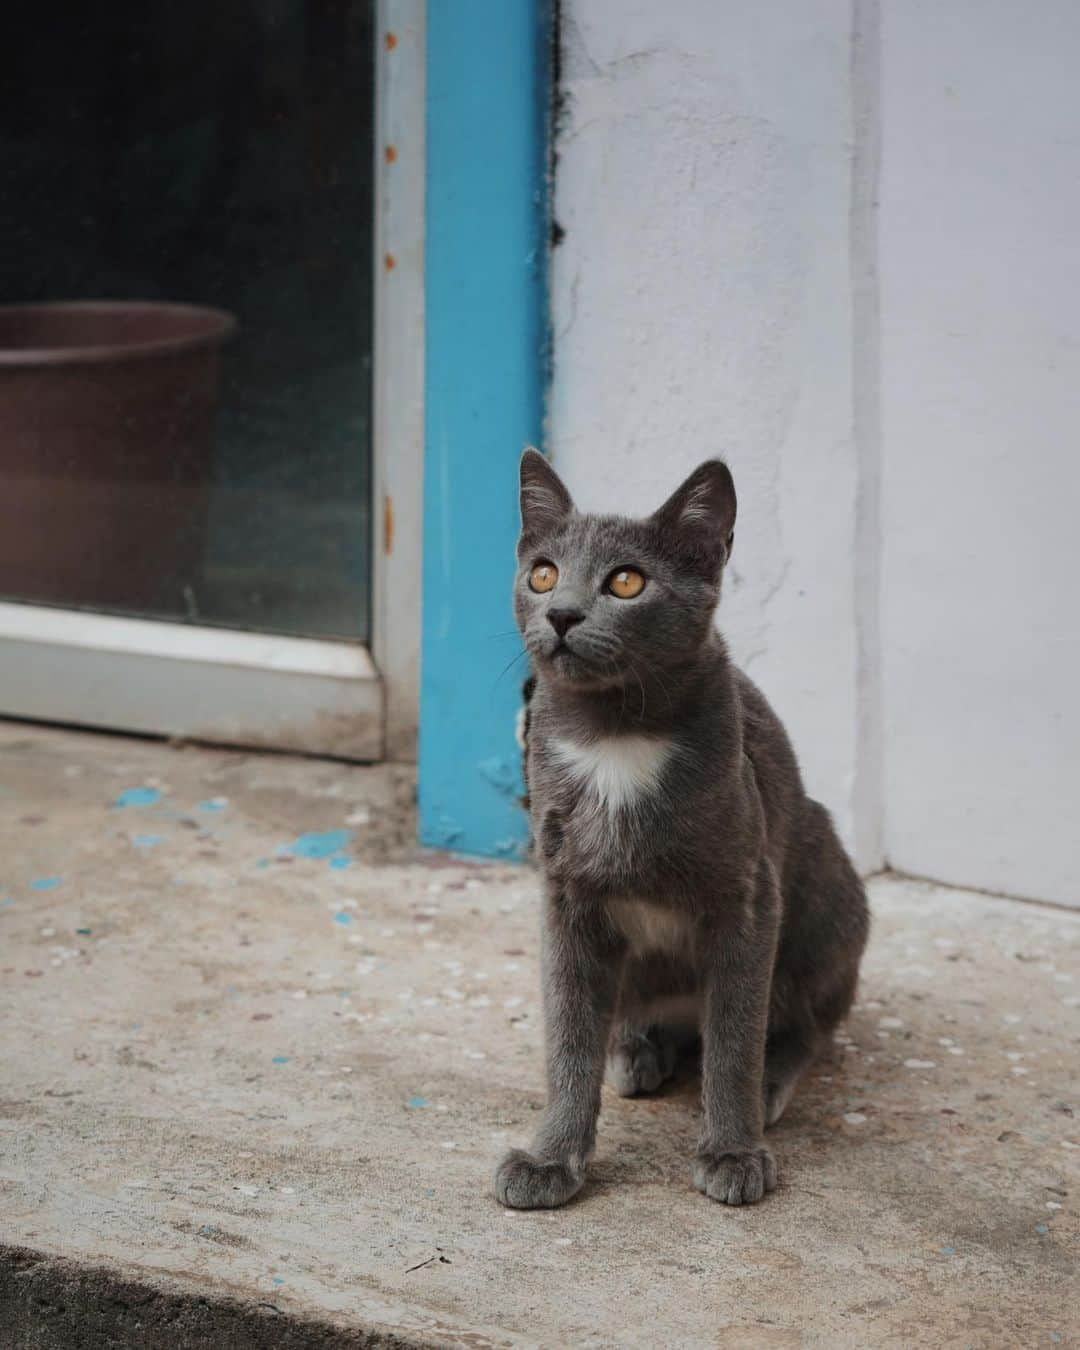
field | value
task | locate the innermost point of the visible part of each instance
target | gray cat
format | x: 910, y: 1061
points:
x: 691, y: 886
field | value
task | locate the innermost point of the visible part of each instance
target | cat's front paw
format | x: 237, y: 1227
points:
x: 735, y: 1176
x: 525, y: 1182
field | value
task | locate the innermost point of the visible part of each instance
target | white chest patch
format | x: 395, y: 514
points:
x: 616, y: 770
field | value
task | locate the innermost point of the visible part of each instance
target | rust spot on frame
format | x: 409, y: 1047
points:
x: 388, y: 524
x: 389, y: 262
x: 391, y: 154
x: 391, y: 41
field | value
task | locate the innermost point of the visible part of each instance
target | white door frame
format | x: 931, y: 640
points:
x: 216, y: 684
x: 399, y: 364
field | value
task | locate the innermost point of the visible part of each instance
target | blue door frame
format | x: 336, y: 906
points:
x: 488, y: 84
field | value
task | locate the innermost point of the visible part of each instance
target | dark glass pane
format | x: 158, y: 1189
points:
x: 216, y: 155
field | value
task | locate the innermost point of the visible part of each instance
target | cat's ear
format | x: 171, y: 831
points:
x: 545, y: 502
x: 699, y: 516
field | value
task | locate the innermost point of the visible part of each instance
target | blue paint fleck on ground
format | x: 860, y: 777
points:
x: 138, y: 796
x: 212, y: 804
x: 415, y: 1103
x: 148, y: 840
x: 277, y: 1280
x: 1042, y: 1229
x: 316, y: 845
x: 46, y: 883
x: 429, y: 1194
x: 340, y: 860
x: 280, y: 1059
x: 343, y: 916
x: 84, y: 932
x: 948, y: 1251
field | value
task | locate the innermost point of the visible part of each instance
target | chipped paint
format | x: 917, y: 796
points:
x: 319, y: 844
x: 388, y: 524
x: 137, y: 796
x: 502, y: 776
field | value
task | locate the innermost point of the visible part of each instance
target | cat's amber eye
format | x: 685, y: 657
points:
x: 626, y: 583
x: 543, y: 577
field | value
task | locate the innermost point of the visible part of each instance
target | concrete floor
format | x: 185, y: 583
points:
x: 256, y: 1096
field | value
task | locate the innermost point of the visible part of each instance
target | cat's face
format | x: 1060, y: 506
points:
x: 603, y: 601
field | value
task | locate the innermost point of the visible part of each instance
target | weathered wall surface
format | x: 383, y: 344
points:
x: 980, y: 345
x: 837, y: 243
x: 703, y: 304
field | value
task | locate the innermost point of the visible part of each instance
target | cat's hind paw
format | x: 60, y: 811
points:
x: 642, y: 1062
x: 735, y: 1176
x: 525, y: 1182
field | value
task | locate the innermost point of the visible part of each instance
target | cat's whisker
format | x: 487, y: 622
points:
x: 659, y: 679
x: 606, y: 648
x: 507, y: 667
x: 641, y: 687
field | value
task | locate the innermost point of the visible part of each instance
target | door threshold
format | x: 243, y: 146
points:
x: 216, y: 685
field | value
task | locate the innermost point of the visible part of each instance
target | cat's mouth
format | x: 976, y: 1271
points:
x: 565, y: 656
x: 577, y: 669
x: 570, y: 664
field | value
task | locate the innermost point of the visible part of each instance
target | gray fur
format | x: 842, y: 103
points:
x: 711, y: 896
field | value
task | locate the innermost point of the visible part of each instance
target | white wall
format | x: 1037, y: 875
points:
x: 896, y: 386
x: 703, y: 305
x: 980, y: 348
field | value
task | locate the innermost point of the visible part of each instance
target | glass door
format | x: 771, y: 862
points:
x: 186, y: 363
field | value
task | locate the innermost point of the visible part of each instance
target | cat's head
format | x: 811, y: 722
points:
x: 603, y: 600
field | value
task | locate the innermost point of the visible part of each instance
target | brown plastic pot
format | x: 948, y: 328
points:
x: 106, y: 441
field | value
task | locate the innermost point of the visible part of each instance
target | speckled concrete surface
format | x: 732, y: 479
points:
x: 284, y: 1080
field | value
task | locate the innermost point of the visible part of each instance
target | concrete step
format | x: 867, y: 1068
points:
x: 256, y: 1076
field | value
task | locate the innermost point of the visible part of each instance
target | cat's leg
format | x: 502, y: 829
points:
x: 641, y: 1058
x: 788, y: 1055
x: 733, y: 1165
x: 794, y: 1037
x: 817, y: 966
x: 792, y: 1049
x: 582, y: 959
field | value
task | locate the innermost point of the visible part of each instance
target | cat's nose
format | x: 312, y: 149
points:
x: 562, y: 620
